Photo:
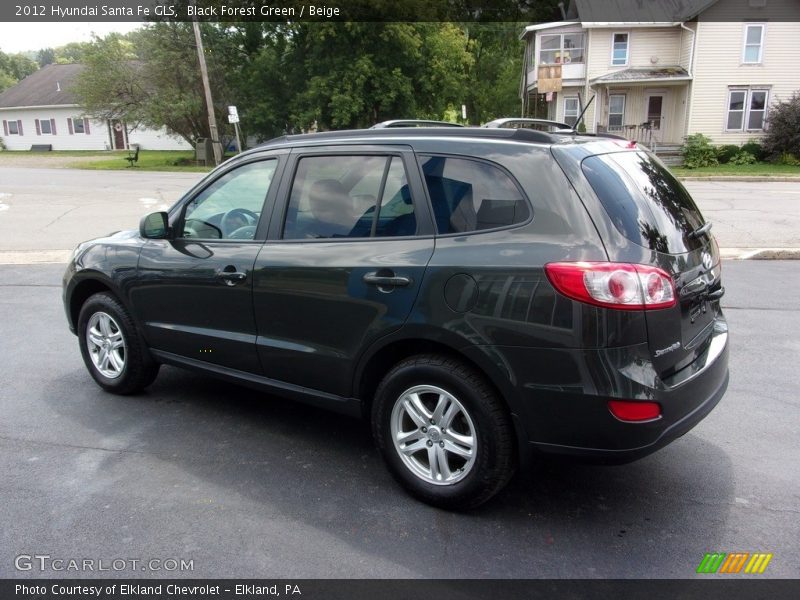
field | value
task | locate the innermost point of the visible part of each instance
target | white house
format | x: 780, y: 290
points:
x: 662, y: 70
x: 41, y: 110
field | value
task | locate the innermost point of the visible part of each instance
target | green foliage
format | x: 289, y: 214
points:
x: 2, y: 145
x: 46, y: 56
x: 743, y: 158
x: 783, y: 135
x: 726, y: 152
x: 582, y: 126
x: 13, y: 68
x: 756, y: 149
x: 788, y: 159
x: 698, y: 152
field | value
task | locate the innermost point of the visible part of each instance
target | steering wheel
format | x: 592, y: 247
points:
x: 232, y: 224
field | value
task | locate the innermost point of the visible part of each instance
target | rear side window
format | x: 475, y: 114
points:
x: 646, y: 203
x: 470, y: 195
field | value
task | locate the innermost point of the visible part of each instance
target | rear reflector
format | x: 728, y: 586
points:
x: 621, y: 286
x: 632, y: 410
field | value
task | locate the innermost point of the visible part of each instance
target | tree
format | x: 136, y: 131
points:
x: 14, y: 68
x: 46, y: 56
x: 150, y: 77
x: 783, y: 134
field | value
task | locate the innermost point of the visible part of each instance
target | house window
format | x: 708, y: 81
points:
x: 562, y: 48
x: 619, y: 50
x: 753, y: 44
x: 571, y: 110
x: 77, y: 125
x: 13, y: 128
x: 747, y: 110
x: 44, y: 124
x: 616, y: 111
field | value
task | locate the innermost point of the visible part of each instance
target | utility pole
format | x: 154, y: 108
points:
x: 212, y: 121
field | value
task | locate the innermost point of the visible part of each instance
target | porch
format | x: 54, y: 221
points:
x: 648, y: 106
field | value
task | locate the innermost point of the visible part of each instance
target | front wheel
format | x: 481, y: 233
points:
x: 112, y: 349
x: 443, y: 432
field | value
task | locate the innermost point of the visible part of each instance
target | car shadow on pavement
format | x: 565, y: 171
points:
x: 321, y: 471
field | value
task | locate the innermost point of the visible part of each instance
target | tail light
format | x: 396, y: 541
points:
x: 621, y: 286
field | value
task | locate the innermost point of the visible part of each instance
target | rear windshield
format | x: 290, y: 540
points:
x: 646, y: 203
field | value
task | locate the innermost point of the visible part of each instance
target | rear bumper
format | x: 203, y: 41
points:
x: 562, y: 405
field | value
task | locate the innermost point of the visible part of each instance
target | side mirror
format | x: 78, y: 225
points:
x: 154, y: 226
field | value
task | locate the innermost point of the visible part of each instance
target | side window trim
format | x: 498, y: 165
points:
x: 425, y: 227
x: 178, y: 212
x: 426, y: 154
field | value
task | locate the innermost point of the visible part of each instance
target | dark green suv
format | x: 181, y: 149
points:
x: 480, y: 295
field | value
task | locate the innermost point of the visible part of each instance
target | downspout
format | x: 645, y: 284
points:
x: 688, y: 110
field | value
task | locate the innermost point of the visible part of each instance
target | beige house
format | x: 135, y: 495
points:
x: 659, y: 71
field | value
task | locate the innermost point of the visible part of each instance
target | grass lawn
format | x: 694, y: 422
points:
x: 738, y: 170
x: 149, y: 160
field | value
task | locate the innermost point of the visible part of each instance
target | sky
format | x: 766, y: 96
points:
x: 20, y: 37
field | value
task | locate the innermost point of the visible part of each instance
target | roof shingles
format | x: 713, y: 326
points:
x: 49, y: 86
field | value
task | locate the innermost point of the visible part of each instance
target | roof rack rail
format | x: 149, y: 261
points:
x: 414, y: 123
x: 523, y: 123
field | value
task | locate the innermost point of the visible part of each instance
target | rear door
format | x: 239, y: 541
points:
x: 650, y: 208
x: 348, y: 247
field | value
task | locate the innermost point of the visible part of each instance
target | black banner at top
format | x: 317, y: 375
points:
x: 279, y: 10
x: 531, y: 11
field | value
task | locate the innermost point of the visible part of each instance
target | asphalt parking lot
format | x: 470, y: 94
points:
x: 245, y: 485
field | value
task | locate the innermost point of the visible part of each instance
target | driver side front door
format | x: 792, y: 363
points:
x: 194, y: 292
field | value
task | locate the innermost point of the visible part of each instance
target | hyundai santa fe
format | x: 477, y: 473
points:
x: 481, y: 296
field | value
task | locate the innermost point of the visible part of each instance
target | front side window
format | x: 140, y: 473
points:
x: 349, y: 197
x: 13, y: 128
x: 571, y: 111
x: 470, y: 195
x: 619, y: 50
x: 562, y: 48
x: 747, y: 110
x: 45, y: 127
x: 77, y: 125
x: 753, y: 44
x: 231, y: 206
x: 616, y: 111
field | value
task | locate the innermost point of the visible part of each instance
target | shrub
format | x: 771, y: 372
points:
x: 2, y: 145
x: 783, y: 135
x: 788, y: 159
x: 743, y: 158
x: 698, y: 152
x: 756, y: 149
x: 726, y: 152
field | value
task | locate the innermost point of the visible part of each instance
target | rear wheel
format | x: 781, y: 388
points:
x: 112, y: 349
x: 443, y: 432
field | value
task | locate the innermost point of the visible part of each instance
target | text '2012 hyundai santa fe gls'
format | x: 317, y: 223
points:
x: 480, y: 295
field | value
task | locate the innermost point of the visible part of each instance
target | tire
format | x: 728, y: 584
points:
x: 468, y: 469
x: 112, y: 349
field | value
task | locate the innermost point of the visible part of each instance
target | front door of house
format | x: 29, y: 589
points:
x: 655, y: 104
x: 117, y: 134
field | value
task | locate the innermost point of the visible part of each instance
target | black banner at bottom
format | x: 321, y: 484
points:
x: 405, y: 589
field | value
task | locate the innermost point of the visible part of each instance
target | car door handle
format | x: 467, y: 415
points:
x: 230, y: 277
x: 387, y: 280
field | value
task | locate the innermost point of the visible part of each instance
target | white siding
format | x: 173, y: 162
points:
x: 97, y: 138
x: 149, y: 139
x: 644, y: 44
x: 718, y: 66
x: 687, y: 40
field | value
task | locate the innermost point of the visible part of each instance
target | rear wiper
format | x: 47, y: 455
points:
x: 700, y: 231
